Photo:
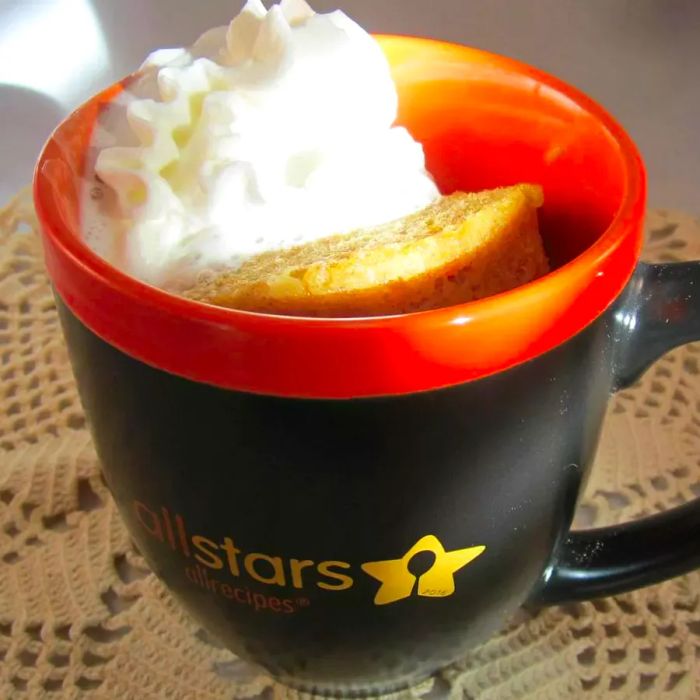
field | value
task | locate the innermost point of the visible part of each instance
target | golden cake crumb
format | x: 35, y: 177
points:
x: 460, y: 248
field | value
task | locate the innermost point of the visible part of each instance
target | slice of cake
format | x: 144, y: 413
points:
x: 460, y: 248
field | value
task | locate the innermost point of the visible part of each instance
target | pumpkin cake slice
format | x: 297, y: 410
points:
x: 462, y: 247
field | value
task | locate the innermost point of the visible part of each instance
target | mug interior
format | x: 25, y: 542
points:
x: 486, y: 121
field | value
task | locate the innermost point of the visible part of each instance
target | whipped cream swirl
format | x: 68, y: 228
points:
x: 273, y: 131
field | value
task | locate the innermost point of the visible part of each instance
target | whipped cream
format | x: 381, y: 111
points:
x: 273, y: 131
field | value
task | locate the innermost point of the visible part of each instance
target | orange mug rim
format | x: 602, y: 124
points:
x: 634, y: 189
x: 71, y: 247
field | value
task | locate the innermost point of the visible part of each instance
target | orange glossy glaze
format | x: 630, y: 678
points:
x: 484, y: 121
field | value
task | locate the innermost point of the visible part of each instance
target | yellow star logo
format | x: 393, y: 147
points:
x: 398, y: 582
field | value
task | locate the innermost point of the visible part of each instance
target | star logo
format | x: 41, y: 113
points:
x: 398, y: 582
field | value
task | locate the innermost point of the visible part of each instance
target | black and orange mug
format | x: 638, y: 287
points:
x: 352, y: 503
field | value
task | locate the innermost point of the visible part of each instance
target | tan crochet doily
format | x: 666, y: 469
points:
x: 82, y: 616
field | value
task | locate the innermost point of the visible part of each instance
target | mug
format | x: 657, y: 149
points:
x: 353, y: 503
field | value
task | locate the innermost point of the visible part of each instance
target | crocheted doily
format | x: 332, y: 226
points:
x: 81, y: 615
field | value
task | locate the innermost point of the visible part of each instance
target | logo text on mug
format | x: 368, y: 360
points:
x: 223, y: 554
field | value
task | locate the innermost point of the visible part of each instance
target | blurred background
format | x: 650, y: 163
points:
x: 639, y: 58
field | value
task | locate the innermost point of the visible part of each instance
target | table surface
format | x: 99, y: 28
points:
x: 637, y: 57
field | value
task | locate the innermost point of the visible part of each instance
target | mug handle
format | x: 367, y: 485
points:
x: 659, y: 311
